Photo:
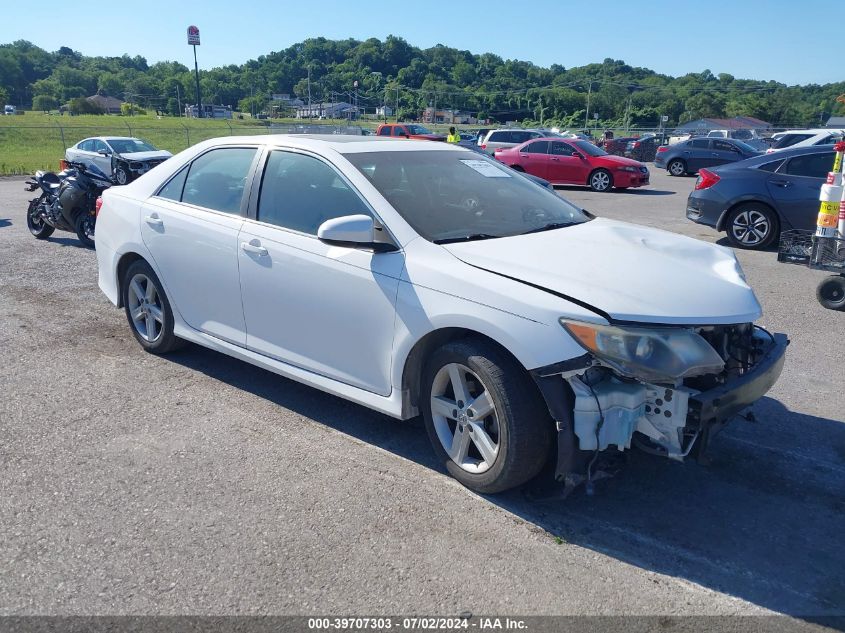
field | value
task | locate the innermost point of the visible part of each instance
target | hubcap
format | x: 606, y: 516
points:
x: 465, y: 418
x: 750, y: 227
x: 601, y: 181
x: 145, y: 308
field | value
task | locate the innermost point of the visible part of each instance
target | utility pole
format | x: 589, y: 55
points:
x: 396, y: 112
x: 179, y: 101
x: 310, y: 113
x: 587, y: 114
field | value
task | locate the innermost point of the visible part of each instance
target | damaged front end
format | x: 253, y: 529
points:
x: 664, y: 390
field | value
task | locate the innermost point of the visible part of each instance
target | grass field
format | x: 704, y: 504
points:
x: 38, y: 141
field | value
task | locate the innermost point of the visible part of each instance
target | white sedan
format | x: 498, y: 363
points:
x: 423, y: 278
x: 123, y: 158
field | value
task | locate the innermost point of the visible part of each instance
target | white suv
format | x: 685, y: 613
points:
x: 423, y: 278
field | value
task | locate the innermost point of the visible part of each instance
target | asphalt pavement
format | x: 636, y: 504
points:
x: 197, y: 484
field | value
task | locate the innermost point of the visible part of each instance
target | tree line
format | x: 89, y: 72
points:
x: 394, y: 73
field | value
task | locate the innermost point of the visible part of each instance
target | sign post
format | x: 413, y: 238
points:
x: 194, y: 40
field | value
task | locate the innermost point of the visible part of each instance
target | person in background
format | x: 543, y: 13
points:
x: 453, y: 137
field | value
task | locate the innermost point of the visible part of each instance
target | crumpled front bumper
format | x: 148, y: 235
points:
x: 720, y: 404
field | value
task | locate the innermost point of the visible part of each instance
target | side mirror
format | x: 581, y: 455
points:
x: 104, y: 152
x: 578, y: 155
x: 354, y: 230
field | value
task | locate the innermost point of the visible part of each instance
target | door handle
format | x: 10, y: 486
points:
x: 781, y: 183
x: 254, y: 247
x: 154, y: 220
x: 557, y: 160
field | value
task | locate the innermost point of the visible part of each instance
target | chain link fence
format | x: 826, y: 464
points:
x: 26, y: 148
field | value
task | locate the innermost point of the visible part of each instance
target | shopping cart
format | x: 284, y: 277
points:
x: 828, y: 254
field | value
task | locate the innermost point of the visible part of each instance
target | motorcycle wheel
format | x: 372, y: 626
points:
x: 37, y: 226
x: 84, y: 226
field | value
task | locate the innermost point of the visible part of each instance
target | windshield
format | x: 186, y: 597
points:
x: 130, y: 145
x: 418, y: 129
x: 457, y: 196
x: 590, y: 149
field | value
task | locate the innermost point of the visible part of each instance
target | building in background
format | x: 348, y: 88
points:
x: 209, y: 111
x: 109, y: 105
x: 736, y: 123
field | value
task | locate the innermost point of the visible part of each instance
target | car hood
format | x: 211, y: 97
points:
x: 158, y: 154
x: 628, y: 272
x: 620, y: 161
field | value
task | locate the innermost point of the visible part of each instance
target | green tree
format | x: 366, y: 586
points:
x: 44, y: 103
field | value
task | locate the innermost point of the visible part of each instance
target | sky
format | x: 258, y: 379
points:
x: 784, y: 40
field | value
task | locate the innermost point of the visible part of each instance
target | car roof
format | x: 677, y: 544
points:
x: 341, y: 143
x: 781, y: 154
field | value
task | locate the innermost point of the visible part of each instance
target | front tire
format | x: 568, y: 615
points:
x: 84, y: 226
x: 676, y: 167
x: 831, y: 293
x: 148, y: 310
x: 752, y: 226
x: 121, y: 175
x: 601, y: 180
x: 484, y: 416
x: 37, y: 226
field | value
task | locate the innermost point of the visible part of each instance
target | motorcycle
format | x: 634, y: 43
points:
x: 67, y: 201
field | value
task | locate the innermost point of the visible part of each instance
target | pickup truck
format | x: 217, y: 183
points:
x: 408, y: 130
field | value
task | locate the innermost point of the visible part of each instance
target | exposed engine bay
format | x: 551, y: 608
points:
x: 612, y: 410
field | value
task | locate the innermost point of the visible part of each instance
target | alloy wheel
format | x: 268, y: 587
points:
x: 751, y: 227
x: 676, y: 168
x: 600, y: 181
x: 145, y: 308
x: 465, y: 418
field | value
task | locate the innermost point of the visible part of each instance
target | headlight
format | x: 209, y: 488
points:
x: 648, y: 354
x: 629, y: 168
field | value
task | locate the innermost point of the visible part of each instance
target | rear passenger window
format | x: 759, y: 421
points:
x: 216, y: 179
x: 385, y: 131
x: 500, y: 137
x: 699, y: 143
x: 772, y: 166
x: 398, y: 131
x: 173, y: 189
x: 810, y: 165
x: 538, y: 147
x: 300, y: 192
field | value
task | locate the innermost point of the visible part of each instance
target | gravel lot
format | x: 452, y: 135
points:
x: 196, y: 484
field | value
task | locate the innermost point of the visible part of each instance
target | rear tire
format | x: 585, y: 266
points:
x: 84, y: 225
x: 38, y: 227
x: 676, y: 167
x: 477, y: 395
x: 518, y: 168
x: 148, y: 309
x: 752, y: 226
x: 831, y: 293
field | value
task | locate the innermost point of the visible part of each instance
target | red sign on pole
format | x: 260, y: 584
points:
x: 193, y: 36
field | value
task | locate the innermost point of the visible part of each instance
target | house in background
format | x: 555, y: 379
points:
x: 109, y: 105
x: 447, y: 116
x: 837, y: 122
x: 736, y: 123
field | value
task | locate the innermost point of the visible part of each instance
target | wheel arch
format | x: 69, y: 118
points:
x: 123, y: 264
x: 600, y: 168
x: 721, y: 225
x: 414, y: 363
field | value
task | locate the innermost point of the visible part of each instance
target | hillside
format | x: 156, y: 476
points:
x: 393, y: 69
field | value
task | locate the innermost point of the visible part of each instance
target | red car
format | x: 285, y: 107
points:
x: 408, y: 130
x: 564, y: 161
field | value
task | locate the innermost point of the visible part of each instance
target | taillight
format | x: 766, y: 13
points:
x: 97, y: 206
x: 636, y: 144
x: 484, y: 146
x: 662, y: 148
x: 706, y: 179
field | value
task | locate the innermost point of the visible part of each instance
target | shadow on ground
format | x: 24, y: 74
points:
x: 763, y: 522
